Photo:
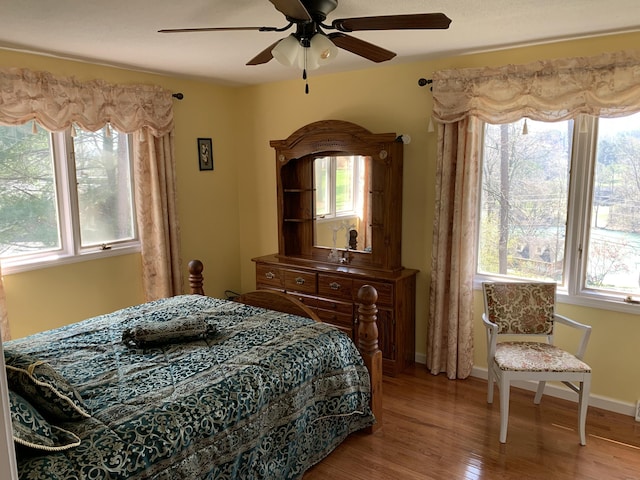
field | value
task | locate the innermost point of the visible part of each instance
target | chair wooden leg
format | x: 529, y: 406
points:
x: 505, y: 385
x: 583, y: 402
x: 539, y: 392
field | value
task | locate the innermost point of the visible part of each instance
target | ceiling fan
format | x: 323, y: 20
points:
x: 309, y: 47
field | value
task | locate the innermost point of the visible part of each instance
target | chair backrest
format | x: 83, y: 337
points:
x: 520, y: 307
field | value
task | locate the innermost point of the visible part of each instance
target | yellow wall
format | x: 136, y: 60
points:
x: 229, y: 216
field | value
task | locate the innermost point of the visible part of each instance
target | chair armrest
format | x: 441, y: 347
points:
x: 492, y: 338
x: 489, y: 324
x: 586, y: 332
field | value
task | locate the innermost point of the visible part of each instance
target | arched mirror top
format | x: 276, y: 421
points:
x: 314, y: 221
x: 328, y: 137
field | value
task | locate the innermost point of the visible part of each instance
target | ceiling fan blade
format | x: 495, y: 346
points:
x: 264, y: 56
x: 292, y: 9
x: 393, y: 22
x: 211, y: 29
x: 360, y: 47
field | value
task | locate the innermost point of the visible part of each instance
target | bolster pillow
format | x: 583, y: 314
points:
x: 148, y: 334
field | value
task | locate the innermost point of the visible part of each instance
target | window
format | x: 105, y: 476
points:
x: 63, y: 197
x: 561, y: 202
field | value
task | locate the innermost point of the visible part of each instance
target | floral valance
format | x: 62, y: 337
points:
x: 550, y: 90
x: 58, y: 102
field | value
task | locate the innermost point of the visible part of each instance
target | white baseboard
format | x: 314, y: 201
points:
x: 558, y: 391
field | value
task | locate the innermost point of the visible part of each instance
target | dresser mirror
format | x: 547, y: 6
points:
x: 337, y: 180
x: 342, y: 205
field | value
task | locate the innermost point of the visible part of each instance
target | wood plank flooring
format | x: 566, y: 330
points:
x: 435, y: 428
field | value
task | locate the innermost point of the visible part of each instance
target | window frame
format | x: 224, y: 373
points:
x: 572, y: 290
x: 71, y: 251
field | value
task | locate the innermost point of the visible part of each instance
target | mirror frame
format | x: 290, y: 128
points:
x: 295, y: 191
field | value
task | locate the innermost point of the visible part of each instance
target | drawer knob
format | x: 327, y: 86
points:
x: 334, y: 286
x: 299, y: 281
x: 270, y: 275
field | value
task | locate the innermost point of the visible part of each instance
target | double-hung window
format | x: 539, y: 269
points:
x: 561, y: 202
x: 64, y: 196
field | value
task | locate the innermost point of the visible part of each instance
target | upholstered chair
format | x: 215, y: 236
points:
x: 520, y: 319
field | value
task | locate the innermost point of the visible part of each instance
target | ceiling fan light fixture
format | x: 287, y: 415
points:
x: 287, y: 51
x: 322, y: 49
x: 305, y: 54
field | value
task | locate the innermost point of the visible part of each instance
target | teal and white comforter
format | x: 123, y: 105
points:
x: 266, y: 397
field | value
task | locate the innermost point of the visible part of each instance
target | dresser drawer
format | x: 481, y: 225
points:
x: 299, y: 281
x: 384, y: 289
x: 269, y: 276
x: 343, y: 320
x: 309, y: 300
x: 335, y: 305
x: 334, y: 286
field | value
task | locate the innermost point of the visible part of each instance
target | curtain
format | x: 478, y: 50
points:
x: 550, y: 90
x: 449, y: 329
x: 58, y: 102
x: 146, y: 111
x: 157, y: 215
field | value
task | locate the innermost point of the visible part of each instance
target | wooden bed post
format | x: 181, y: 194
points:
x: 368, y: 346
x: 195, y: 277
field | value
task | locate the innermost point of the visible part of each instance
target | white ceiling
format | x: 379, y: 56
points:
x: 124, y: 32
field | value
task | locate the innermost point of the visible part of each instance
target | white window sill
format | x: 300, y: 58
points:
x: 591, y: 300
x: 56, y: 260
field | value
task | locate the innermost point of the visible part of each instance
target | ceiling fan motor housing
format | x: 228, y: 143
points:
x: 319, y: 9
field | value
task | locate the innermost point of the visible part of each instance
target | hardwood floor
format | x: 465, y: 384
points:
x: 435, y: 428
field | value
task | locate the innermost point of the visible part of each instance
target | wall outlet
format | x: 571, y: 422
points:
x: 638, y: 411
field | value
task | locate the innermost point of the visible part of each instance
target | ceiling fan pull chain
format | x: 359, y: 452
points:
x: 304, y: 73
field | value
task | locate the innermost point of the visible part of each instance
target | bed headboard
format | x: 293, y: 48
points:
x: 277, y: 301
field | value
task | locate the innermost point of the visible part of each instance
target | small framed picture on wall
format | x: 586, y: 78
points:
x: 205, y: 154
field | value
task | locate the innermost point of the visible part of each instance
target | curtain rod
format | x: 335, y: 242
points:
x: 178, y: 95
x: 425, y: 81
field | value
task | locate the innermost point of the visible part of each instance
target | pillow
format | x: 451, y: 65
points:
x: 44, y: 387
x: 149, y: 334
x: 30, y: 429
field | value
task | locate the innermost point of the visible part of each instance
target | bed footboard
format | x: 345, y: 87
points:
x: 367, y: 328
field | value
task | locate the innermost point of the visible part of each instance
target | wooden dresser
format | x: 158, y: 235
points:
x: 326, y: 252
x: 331, y: 291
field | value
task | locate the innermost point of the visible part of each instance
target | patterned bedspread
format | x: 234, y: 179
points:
x: 265, y: 397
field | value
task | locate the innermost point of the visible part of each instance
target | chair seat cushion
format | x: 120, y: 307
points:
x: 536, y: 357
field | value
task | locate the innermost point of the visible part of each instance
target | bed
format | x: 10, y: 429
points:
x: 192, y: 387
